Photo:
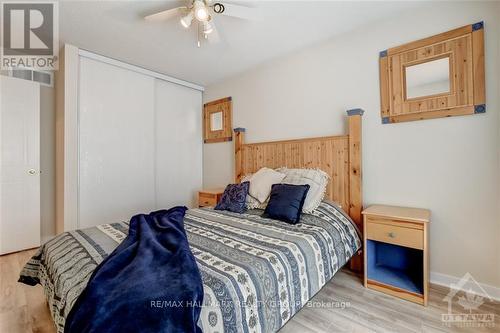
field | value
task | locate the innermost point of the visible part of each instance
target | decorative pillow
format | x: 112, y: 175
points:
x: 233, y: 198
x: 250, y: 201
x: 317, y: 179
x: 286, y: 201
x: 261, y: 182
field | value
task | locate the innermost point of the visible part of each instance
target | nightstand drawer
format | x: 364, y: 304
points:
x: 208, y: 197
x: 207, y: 200
x: 393, y: 234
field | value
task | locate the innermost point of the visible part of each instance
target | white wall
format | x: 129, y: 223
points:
x: 498, y: 139
x: 449, y: 165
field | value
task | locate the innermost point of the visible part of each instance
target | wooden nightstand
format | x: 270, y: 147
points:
x: 209, y: 197
x: 396, y: 252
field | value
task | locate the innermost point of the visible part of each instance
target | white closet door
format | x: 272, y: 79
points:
x: 19, y: 164
x: 116, y: 143
x: 178, y: 144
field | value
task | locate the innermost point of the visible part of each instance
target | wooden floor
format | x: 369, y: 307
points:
x: 23, y: 308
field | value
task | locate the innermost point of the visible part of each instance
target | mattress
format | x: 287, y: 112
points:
x: 257, y: 272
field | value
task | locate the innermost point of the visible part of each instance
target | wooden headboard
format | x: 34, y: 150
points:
x: 339, y: 156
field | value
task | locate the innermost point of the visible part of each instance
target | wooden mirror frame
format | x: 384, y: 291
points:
x: 224, y: 105
x: 464, y: 47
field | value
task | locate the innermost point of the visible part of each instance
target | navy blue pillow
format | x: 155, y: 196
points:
x: 233, y: 198
x: 285, y: 202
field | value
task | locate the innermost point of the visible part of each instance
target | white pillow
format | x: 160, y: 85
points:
x: 261, y: 182
x: 250, y: 201
x: 317, y: 180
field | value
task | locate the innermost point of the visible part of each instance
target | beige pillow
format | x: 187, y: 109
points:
x: 261, y: 182
x: 317, y: 180
x: 250, y: 201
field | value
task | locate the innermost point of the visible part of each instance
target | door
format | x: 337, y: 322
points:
x: 178, y: 144
x: 19, y: 164
x: 116, y: 143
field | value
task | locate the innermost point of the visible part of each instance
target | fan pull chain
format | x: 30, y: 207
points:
x: 199, y: 33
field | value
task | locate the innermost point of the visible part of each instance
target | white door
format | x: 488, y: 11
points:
x: 19, y: 164
x: 117, y: 143
x: 178, y: 144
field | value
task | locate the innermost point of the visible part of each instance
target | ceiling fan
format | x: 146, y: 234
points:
x: 202, y: 13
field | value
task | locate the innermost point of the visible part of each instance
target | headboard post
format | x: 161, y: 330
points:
x: 238, y: 152
x: 355, y: 177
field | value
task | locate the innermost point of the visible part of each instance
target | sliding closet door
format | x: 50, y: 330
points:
x: 178, y: 144
x: 116, y: 143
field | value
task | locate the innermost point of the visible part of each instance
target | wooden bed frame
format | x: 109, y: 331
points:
x: 339, y: 156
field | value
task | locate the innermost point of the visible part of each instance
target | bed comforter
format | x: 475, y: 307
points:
x: 119, y: 289
x: 256, y: 272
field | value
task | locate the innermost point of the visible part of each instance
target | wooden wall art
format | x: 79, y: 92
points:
x: 439, y: 76
x: 217, y: 120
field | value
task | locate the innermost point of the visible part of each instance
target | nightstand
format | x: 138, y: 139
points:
x: 209, y: 197
x: 396, y: 241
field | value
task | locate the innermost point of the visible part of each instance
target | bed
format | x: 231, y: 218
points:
x: 256, y: 272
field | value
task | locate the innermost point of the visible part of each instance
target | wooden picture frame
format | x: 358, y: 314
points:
x: 464, y: 49
x: 217, y: 120
x: 339, y: 156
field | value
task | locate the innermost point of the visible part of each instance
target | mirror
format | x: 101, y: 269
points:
x: 428, y: 78
x: 438, y: 76
x: 216, y: 122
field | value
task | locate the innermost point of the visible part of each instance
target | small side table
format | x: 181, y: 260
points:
x: 396, y: 241
x: 209, y: 197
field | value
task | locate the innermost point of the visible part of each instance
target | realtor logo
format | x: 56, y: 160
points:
x: 470, y: 296
x: 30, y: 35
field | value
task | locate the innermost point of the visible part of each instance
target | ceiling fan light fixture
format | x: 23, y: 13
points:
x: 187, y: 19
x: 200, y: 11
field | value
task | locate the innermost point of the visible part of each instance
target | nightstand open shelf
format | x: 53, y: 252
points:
x: 396, y: 266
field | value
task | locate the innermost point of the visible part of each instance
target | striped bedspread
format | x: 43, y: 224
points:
x: 256, y: 272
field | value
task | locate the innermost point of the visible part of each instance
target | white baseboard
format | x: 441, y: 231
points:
x: 446, y: 281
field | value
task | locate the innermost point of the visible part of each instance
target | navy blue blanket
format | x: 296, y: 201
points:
x: 150, y: 283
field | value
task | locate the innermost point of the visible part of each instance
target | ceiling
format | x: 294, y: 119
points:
x: 117, y: 29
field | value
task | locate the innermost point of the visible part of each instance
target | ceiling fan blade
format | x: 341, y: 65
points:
x: 166, y: 14
x: 242, y: 12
